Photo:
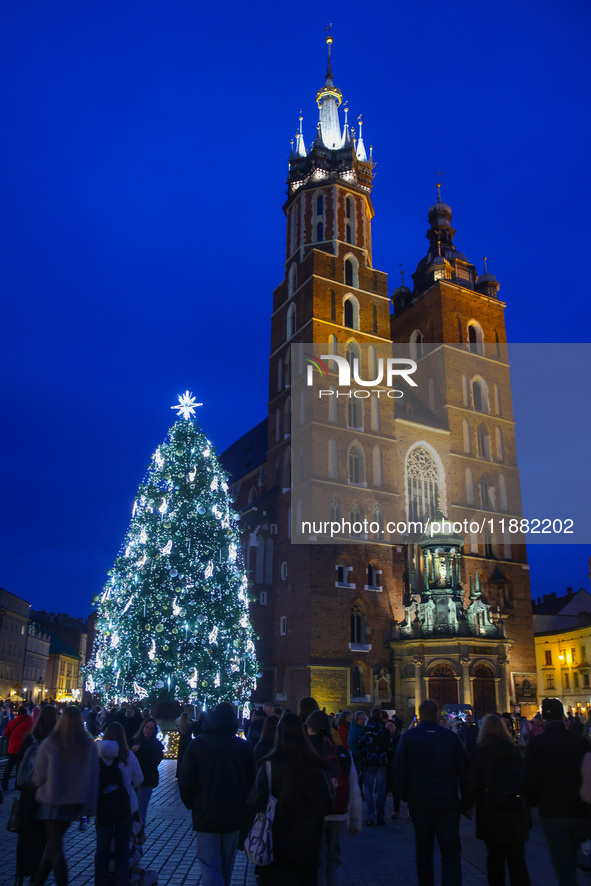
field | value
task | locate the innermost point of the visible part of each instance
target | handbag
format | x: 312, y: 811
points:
x: 13, y: 819
x: 258, y: 846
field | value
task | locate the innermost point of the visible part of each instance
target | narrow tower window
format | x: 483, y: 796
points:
x: 319, y: 232
x: 319, y: 205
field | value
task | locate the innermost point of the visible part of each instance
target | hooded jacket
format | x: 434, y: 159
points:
x: 16, y: 731
x: 131, y: 772
x: 216, y: 775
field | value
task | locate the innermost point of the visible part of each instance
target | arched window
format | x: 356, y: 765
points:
x: 356, y: 464
x: 291, y: 321
x: 459, y: 324
x: 333, y: 405
x: 423, y: 484
x: 351, y: 312
x: 483, y: 442
x: 319, y: 205
x: 351, y: 271
x: 333, y: 468
x: 348, y: 235
x: 358, y: 628
x: 356, y: 519
x: 286, y: 481
x: 355, y: 413
x: 466, y: 436
x: 372, y: 359
x: 287, y: 365
x: 292, y: 280
x: 348, y: 272
x: 479, y: 394
x: 332, y: 344
x: 375, y: 414
x: 287, y: 418
x: 252, y: 495
x: 301, y: 465
x: 378, y: 518
x: 497, y: 343
x: 357, y: 683
x: 269, y: 561
x: 373, y: 575
x: 319, y: 232
x: 279, y: 374
x: 416, y: 344
x: 499, y: 445
x: 348, y: 207
x: 335, y: 510
x: 502, y: 493
x: 469, y: 487
x: 377, y: 466
x: 487, y: 493
x: 277, y: 425
x: 475, y: 337
x: 353, y: 353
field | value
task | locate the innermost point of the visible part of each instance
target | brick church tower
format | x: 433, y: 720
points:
x: 382, y: 616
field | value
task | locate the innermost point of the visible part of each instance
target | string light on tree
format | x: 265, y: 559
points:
x: 176, y: 602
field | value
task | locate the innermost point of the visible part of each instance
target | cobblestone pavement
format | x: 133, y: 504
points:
x: 375, y: 857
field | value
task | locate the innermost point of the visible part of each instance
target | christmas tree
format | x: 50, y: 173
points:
x: 172, y: 621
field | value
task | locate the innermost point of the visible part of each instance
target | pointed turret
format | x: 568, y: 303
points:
x: 361, y: 154
x: 300, y: 150
x: 487, y: 283
x: 346, y: 134
x: 328, y: 100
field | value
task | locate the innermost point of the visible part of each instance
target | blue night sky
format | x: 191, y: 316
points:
x: 143, y: 161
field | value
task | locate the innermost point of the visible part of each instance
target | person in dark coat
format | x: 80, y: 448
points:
x: 265, y: 744
x: 185, y: 727
x: 430, y: 768
x: 149, y: 752
x: 373, y: 745
x: 469, y: 733
x: 552, y: 780
x: 502, y: 816
x: 216, y: 776
x: 300, y: 782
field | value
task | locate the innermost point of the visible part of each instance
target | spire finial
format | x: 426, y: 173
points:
x: 328, y: 43
x: 485, y: 268
x: 439, y: 244
x: 401, y: 273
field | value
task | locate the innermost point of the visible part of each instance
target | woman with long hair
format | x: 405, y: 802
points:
x: 265, y: 743
x: 113, y: 751
x: 343, y: 724
x: 31, y: 832
x: 502, y: 815
x: 301, y: 783
x: 66, y: 776
x: 346, y: 812
x: 149, y: 752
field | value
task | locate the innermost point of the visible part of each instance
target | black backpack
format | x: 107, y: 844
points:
x: 113, y: 799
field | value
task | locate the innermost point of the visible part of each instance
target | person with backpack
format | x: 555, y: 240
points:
x: 346, y: 809
x: 31, y: 833
x: 373, y: 745
x: 119, y: 776
x: 149, y: 752
x: 16, y: 731
x: 66, y: 775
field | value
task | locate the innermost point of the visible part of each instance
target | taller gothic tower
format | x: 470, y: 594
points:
x: 380, y: 617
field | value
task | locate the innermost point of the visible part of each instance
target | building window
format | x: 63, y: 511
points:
x: 378, y: 475
x: 475, y: 337
x: 586, y: 679
x: 566, y: 681
x: 348, y: 234
x: 358, y: 629
x: 335, y: 510
x: 348, y: 272
x: 343, y: 572
x: 549, y: 681
x: 352, y: 353
x: 291, y: 322
x: 573, y: 655
x: 373, y: 575
x: 357, y: 683
x: 576, y: 678
x: 479, y: 395
x: 320, y: 205
x: 283, y: 625
x: 466, y: 437
x: 416, y: 345
x: 319, y: 232
x: 292, y: 280
x: 483, y: 442
x: 263, y: 598
x: 547, y: 656
x: 333, y: 470
x: 583, y: 654
x: 355, y: 414
x: 348, y: 207
x: 356, y: 465
x: 423, y: 484
x: 351, y: 312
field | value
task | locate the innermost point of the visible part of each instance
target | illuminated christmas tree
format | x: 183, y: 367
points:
x: 173, y: 621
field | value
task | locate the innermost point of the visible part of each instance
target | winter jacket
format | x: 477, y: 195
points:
x: 353, y: 737
x: 552, y: 776
x: 430, y: 767
x: 149, y: 755
x: 216, y: 775
x: 16, y: 731
x: 131, y: 772
x: 373, y: 744
x: 495, y: 786
x: 64, y: 780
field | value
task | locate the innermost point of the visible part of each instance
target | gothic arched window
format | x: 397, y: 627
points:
x: 351, y: 312
x: 319, y: 205
x: 348, y: 272
x: 358, y: 629
x: 356, y: 465
x: 352, y: 353
x: 355, y: 413
x: 335, y: 510
x: 319, y: 232
x: 422, y: 484
x: 357, y: 683
x: 475, y: 337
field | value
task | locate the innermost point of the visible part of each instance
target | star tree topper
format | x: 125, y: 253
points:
x: 187, y: 405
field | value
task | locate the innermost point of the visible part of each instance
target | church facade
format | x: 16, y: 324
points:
x: 423, y: 591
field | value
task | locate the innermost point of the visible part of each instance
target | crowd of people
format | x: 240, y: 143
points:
x: 315, y: 771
